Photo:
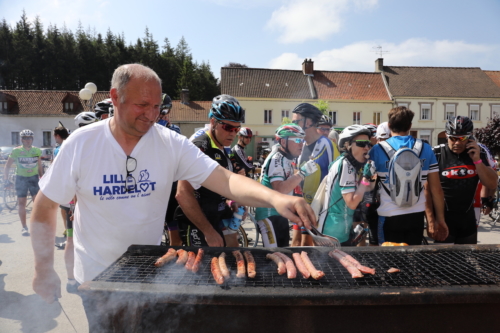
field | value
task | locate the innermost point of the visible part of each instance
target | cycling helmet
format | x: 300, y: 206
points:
x: 85, y: 118
x: 307, y: 110
x: 225, y: 107
x: 103, y: 107
x: 372, y: 128
x: 350, y: 132
x: 245, y: 131
x: 289, y: 130
x: 459, y: 126
x: 26, y: 132
x: 166, y: 104
x: 325, y: 120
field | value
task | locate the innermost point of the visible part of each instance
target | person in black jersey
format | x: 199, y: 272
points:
x: 200, y: 215
x: 238, y: 155
x: 462, y: 164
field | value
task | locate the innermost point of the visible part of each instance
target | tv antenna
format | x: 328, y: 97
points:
x: 379, y: 51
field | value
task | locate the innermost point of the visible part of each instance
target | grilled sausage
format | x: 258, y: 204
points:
x: 301, y: 266
x: 355, y: 273
x: 240, y: 264
x: 355, y: 263
x: 316, y: 275
x: 183, y: 257
x: 278, y: 261
x: 197, y: 261
x: 291, y: 271
x: 214, y: 266
x: 190, y: 262
x: 250, y: 264
x: 223, y: 267
x: 167, y: 257
x: 393, y: 270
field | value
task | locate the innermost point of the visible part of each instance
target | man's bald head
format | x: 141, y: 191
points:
x: 123, y: 75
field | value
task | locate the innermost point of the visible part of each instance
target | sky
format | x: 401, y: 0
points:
x: 338, y: 35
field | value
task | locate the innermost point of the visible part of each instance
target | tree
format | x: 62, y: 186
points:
x: 490, y: 135
x: 236, y: 64
x: 286, y: 120
x: 323, y: 106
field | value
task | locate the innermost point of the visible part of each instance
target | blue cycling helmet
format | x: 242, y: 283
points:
x: 225, y: 107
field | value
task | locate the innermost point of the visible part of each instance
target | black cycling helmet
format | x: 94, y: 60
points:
x: 225, y: 107
x: 325, y: 120
x: 166, y: 104
x: 307, y: 110
x: 459, y: 126
x: 103, y: 107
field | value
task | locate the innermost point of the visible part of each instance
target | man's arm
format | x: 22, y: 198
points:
x: 46, y: 282
x: 40, y: 167
x: 250, y: 193
x: 487, y: 175
x: 286, y: 186
x: 191, y: 208
x: 7, y: 168
x: 436, y: 194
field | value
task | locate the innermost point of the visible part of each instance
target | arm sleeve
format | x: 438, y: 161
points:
x: 347, y: 179
x: 275, y: 170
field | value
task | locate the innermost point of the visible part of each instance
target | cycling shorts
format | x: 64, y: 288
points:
x: 406, y: 228
x: 275, y: 231
x: 69, y: 223
x: 461, y: 227
x: 189, y: 232
x: 23, y: 184
x: 372, y: 220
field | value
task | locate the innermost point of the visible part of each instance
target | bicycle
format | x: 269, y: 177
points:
x: 495, y: 212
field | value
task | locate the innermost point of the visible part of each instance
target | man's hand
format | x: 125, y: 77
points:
x: 295, y: 209
x: 473, y: 150
x: 440, y: 231
x: 48, y: 285
x: 213, y: 238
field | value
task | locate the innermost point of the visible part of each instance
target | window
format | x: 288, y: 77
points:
x: 356, y: 118
x: 285, y: 114
x: 268, y: 116
x: 474, y: 111
x: 376, y: 118
x: 495, y: 110
x: 3, y: 106
x: 68, y: 106
x: 333, y: 117
x: 425, y: 112
x: 47, y: 138
x: 425, y: 135
x: 449, y: 111
x: 404, y: 104
x: 15, y: 138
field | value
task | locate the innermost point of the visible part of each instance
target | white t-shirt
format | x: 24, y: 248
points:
x: 91, y: 164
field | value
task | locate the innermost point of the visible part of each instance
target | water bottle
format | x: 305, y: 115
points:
x: 236, y: 219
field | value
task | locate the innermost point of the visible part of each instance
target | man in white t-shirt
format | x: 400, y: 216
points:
x: 121, y: 170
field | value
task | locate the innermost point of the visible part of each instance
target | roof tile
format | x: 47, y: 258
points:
x: 350, y: 85
x: 495, y: 76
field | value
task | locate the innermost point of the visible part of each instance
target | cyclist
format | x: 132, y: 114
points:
x: 85, y: 118
x: 238, y: 155
x: 278, y: 174
x: 317, y: 153
x: 462, y: 164
x: 200, y: 215
x: 324, y: 128
x: 383, y: 132
x: 373, y: 130
x: 164, y: 116
x: 29, y: 171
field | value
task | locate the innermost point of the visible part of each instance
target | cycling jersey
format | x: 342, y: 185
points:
x: 322, y: 153
x: 26, y: 160
x: 458, y: 177
x: 239, y: 156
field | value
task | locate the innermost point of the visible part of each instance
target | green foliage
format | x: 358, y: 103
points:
x: 38, y: 59
x: 322, y: 106
x: 490, y: 135
x: 286, y: 120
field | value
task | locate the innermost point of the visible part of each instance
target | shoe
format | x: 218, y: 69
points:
x: 25, y: 231
x: 72, y: 288
x: 61, y: 246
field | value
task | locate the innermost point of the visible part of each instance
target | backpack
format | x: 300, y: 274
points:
x: 404, y: 176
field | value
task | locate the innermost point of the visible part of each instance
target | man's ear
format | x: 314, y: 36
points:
x: 114, y: 96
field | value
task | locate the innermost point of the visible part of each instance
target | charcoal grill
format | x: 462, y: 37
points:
x: 439, y: 288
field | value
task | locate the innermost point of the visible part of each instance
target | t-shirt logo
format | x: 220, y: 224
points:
x: 116, y: 187
x: 460, y: 172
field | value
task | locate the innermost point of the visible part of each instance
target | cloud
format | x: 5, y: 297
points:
x: 361, y: 56
x: 301, y: 20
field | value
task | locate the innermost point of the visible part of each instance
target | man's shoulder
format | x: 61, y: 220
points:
x: 202, y: 141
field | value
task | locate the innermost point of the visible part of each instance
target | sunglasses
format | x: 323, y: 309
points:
x: 228, y: 128
x: 296, y: 122
x: 363, y: 143
x: 130, y: 166
x: 296, y: 140
x: 323, y: 129
x: 460, y: 138
x: 27, y: 138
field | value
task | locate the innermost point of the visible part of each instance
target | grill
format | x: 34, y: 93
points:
x: 460, y: 283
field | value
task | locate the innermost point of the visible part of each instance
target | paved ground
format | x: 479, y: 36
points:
x: 23, y: 311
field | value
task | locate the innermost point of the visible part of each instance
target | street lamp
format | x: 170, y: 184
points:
x: 87, y: 93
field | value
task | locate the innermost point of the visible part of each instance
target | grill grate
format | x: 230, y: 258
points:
x: 418, y: 269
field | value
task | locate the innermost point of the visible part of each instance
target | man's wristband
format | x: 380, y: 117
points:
x: 364, y: 183
x: 477, y: 162
x: 301, y: 175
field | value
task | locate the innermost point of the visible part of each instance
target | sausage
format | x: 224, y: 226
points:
x: 291, y: 271
x: 250, y: 264
x: 278, y: 261
x: 316, y: 275
x: 223, y: 266
x: 183, y: 257
x: 355, y: 263
x: 355, y: 273
x: 240, y: 264
x: 197, y: 261
x: 167, y: 257
x: 190, y: 262
x: 301, y: 266
x: 214, y: 266
x: 393, y: 270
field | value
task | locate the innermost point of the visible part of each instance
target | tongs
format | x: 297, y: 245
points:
x: 323, y: 240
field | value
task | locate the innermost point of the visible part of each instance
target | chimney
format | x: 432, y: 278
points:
x: 185, y: 96
x: 379, y: 65
x: 308, y: 67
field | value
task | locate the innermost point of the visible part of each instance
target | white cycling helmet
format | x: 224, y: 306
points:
x: 350, y: 132
x: 26, y: 132
x: 85, y: 118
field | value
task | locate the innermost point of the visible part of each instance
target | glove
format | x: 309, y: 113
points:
x: 308, y: 168
x: 369, y: 169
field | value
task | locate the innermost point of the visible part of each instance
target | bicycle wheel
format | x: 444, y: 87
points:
x: 10, y: 197
x: 257, y: 230
x: 242, y: 237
